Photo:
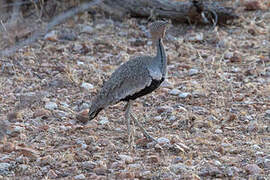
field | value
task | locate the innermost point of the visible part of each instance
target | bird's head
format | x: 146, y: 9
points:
x: 157, y: 29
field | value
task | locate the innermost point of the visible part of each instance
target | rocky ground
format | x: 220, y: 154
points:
x: 211, y: 117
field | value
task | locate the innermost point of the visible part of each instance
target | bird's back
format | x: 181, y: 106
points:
x: 129, y: 79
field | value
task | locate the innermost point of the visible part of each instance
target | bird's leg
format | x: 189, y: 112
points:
x: 148, y: 136
x: 127, y: 116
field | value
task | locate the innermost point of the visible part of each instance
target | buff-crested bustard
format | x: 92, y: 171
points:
x: 135, y: 78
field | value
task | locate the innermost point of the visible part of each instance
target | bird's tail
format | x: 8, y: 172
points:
x: 93, y: 112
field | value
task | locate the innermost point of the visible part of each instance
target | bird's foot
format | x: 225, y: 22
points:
x: 145, y: 133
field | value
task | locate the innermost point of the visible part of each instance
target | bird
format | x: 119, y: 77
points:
x: 135, y: 78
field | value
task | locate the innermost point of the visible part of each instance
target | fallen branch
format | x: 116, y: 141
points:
x: 182, y: 12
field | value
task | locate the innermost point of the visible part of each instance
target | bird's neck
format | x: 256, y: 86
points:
x: 161, y: 55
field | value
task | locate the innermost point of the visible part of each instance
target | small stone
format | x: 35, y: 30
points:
x: 158, y: 147
x: 172, y: 118
x: 177, y: 160
x: 195, y: 37
x: 267, y: 113
x: 51, y: 174
x: 67, y: 35
x: 89, y: 165
x: 80, y: 63
x: 166, y: 84
x: 153, y: 159
x: 134, y: 166
x: 253, y: 169
x: 184, y: 95
x: 175, y: 92
x: 228, y: 55
x: 218, y: 131
x: 163, y: 140
x: 127, y: 159
x: 87, y: 29
x: 100, y: 171
x: 4, y: 168
x: 8, y: 147
x: 256, y: 147
x: 178, y: 168
x: 23, y: 167
x: 103, y: 121
x: 51, y: 36
x: 252, y: 126
x: 193, y: 72
x: 158, y: 118
x: 146, y: 174
x: 266, y: 163
x: 80, y: 176
x: 43, y: 113
x: 87, y: 86
x: 117, y: 165
x: 51, y: 105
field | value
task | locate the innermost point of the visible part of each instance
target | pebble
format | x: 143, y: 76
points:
x: 89, y: 165
x: 184, y: 95
x: 134, y: 166
x: 178, y: 168
x: 172, y: 118
x: 267, y: 113
x: 218, y: 131
x: 51, y: 36
x: 87, y: 29
x: 153, y: 159
x: 87, y: 86
x: 126, y: 158
x: 51, y: 174
x: 177, y: 160
x: 158, y: 118
x: 228, y: 55
x: 266, y: 163
x: 80, y: 176
x: 103, y: 121
x: 4, y: 168
x: 193, y: 72
x: 195, y: 37
x: 253, y: 169
x: 163, y: 140
x: 175, y: 92
x: 51, y: 105
x: 23, y: 167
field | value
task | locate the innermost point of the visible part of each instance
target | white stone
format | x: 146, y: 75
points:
x: 103, y: 121
x: 80, y: 176
x: 175, y: 92
x: 267, y: 112
x: 4, y: 167
x: 126, y: 158
x: 158, y: 118
x: 218, y: 131
x: 184, y: 95
x: 51, y: 105
x: 87, y: 86
x: 163, y: 140
x: 193, y: 72
x: 87, y: 29
x: 80, y: 63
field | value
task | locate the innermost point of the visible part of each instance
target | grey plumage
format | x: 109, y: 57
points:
x: 135, y: 78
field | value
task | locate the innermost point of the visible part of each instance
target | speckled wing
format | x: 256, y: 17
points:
x: 128, y: 79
